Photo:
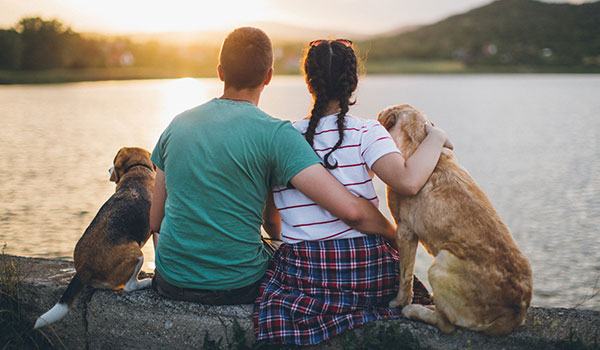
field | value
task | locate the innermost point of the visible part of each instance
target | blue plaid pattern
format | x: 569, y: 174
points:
x: 315, y: 290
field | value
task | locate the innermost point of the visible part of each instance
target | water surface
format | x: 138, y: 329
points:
x: 530, y: 141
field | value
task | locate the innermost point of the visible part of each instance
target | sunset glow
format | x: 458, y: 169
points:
x: 177, y: 15
x: 153, y: 16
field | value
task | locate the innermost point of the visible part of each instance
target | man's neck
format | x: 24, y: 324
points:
x: 243, y: 95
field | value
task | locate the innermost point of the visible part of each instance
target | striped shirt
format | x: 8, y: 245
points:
x: 364, y: 142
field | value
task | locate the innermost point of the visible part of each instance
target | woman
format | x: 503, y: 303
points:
x: 328, y: 277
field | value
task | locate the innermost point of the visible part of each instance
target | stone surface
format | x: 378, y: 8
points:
x: 41, y: 284
x: 103, y: 319
x: 159, y: 321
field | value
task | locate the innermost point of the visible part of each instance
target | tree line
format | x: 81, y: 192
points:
x: 506, y: 33
x: 37, y: 44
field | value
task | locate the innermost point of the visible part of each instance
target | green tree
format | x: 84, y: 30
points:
x: 45, y: 43
x: 10, y: 49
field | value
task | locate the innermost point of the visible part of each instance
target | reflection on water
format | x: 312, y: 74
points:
x: 531, y: 142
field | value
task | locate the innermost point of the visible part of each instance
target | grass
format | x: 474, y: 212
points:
x: 237, y: 341
x: 414, y: 67
x: 52, y: 76
x: 595, y: 293
x: 371, y: 336
x: 384, y: 337
x: 16, y: 332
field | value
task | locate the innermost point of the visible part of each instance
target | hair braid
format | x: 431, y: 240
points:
x: 316, y: 114
x: 331, y: 75
x: 315, y: 68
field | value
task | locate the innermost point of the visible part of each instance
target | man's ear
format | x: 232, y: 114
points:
x: 220, y: 73
x: 269, y: 76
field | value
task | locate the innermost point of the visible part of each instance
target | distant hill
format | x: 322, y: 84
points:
x: 505, y: 32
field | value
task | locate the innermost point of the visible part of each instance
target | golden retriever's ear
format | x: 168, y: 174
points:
x: 388, y: 118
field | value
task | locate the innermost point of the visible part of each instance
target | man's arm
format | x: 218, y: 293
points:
x: 325, y: 190
x: 157, y: 209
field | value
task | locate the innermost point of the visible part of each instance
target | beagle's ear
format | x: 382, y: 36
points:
x: 114, y: 175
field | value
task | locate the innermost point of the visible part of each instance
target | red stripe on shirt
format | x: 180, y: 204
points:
x: 297, y: 206
x: 374, y: 125
x: 351, y: 165
x: 316, y: 223
x: 358, y: 183
x: 288, y: 237
x: 281, y: 190
x: 328, y: 148
x: 320, y: 239
x: 336, y: 234
x: 379, y: 139
x: 332, y: 130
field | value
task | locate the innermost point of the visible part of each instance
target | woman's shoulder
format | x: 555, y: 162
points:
x: 352, y: 123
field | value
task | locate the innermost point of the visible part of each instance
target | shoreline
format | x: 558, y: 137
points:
x: 141, y: 319
x: 57, y: 76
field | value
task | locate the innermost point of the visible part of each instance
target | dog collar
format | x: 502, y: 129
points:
x: 137, y: 164
x: 118, y: 178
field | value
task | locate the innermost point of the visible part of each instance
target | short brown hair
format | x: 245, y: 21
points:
x: 246, y: 57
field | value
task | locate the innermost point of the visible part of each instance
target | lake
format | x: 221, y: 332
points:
x: 530, y: 141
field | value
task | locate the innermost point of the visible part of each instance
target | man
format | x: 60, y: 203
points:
x: 216, y: 164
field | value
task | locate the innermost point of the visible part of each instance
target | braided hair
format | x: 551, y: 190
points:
x: 330, y: 71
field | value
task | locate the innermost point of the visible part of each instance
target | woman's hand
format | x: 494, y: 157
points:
x: 407, y: 176
x: 439, y: 132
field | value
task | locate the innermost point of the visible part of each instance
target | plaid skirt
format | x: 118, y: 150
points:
x: 315, y: 290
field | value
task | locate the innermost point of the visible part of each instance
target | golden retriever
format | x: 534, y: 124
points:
x: 108, y: 255
x: 480, y: 279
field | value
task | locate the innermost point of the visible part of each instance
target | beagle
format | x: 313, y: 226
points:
x: 108, y: 255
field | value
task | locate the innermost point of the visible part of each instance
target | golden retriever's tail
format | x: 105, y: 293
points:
x: 64, y: 304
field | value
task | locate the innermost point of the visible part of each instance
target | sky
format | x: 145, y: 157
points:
x: 154, y: 16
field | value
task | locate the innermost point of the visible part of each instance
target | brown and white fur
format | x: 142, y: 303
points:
x: 480, y: 279
x: 108, y: 254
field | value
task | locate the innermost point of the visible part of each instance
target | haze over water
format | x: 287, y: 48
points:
x: 530, y: 141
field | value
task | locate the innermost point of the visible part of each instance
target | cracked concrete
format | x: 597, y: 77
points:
x: 103, y: 319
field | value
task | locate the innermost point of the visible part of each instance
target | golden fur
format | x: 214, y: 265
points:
x: 480, y: 279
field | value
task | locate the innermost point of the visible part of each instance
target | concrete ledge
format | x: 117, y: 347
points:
x: 103, y: 319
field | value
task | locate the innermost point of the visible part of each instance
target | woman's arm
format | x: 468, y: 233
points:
x: 271, y: 218
x: 157, y: 209
x: 407, y: 176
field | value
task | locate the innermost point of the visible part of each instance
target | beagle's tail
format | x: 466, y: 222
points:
x: 64, y: 304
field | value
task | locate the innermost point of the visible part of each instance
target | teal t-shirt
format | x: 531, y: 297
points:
x: 220, y: 159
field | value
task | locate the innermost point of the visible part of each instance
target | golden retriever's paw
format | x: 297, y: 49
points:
x: 423, y: 313
x: 402, y: 299
x: 411, y: 311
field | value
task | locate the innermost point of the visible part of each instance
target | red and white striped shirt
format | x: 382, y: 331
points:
x: 364, y: 142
